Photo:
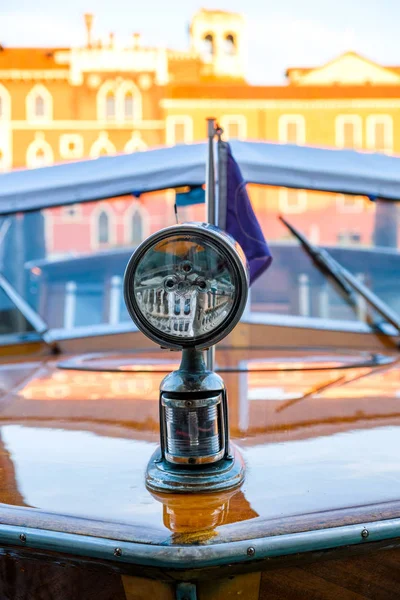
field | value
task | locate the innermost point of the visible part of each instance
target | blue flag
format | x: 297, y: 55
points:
x: 236, y: 215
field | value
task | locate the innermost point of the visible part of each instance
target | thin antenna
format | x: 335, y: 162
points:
x: 176, y: 213
x: 212, y: 129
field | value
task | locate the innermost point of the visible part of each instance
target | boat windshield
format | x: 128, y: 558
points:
x: 68, y: 262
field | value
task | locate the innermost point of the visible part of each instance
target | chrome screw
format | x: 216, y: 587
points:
x: 22, y: 537
x: 365, y: 533
x: 251, y: 551
x: 117, y: 552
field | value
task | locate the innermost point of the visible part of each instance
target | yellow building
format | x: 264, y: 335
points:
x: 68, y: 103
x: 60, y: 104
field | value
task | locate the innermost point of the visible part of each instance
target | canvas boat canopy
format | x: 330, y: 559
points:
x: 304, y: 167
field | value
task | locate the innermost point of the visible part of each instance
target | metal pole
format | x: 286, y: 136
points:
x: 210, y: 204
x: 210, y: 175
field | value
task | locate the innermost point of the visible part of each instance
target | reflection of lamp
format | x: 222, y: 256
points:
x: 194, y: 513
x: 202, y: 513
x: 186, y: 288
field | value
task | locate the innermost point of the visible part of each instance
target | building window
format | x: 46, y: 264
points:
x: 102, y: 146
x: 39, y: 153
x: 380, y: 133
x: 71, y: 145
x: 129, y: 102
x: 229, y: 45
x: 128, y: 106
x: 292, y: 200
x: 349, y: 131
x: 349, y: 238
x: 135, y: 144
x: 136, y: 228
x: 136, y: 221
x: 5, y: 103
x: 103, y: 228
x: 208, y: 47
x: 110, y: 106
x: 292, y: 129
x: 102, y: 220
x: 179, y: 130
x: 39, y: 104
x: 106, y: 103
x: 350, y: 204
x: 234, y: 126
x: 119, y: 101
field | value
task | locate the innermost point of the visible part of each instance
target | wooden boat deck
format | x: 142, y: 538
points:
x: 320, y: 443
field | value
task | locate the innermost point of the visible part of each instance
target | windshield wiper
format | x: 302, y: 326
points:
x: 38, y: 324
x: 344, y: 278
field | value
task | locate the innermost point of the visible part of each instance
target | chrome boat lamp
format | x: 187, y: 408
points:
x: 186, y: 287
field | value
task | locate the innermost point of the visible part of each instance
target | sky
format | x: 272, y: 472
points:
x: 280, y: 34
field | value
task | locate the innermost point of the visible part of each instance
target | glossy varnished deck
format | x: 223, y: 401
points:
x: 320, y: 443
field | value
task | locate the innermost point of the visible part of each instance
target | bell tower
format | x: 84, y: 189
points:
x: 218, y: 37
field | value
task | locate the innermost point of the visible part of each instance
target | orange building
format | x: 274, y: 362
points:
x: 60, y: 104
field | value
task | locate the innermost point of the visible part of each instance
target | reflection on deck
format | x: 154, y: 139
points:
x: 65, y: 430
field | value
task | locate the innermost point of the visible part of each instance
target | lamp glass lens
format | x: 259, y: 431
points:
x: 184, y: 286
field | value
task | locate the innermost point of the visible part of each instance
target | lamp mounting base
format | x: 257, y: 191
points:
x: 226, y: 474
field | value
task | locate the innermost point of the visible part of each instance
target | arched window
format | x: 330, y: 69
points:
x: 136, y: 228
x: 110, y: 105
x: 39, y: 106
x: 128, y: 105
x: 229, y: 45
x: 103, y: 228
x: 106, y: 101
x: 136, y: 223
x: 129, y: 101
x: 208, y: 46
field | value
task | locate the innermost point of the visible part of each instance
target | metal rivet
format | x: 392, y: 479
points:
x: 229, y: 457
x: 251, y: 551
x: 189, y: 403
x: 158, y: 460
x: 365, y: 533
x: 22, y: 537
x: 117, y: 552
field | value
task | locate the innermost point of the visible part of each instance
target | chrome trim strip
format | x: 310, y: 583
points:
x: 195, y: 556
